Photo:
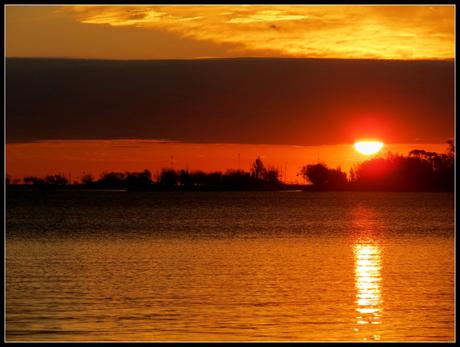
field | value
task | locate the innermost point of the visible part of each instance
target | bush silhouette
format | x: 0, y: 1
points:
x: 324, y: 178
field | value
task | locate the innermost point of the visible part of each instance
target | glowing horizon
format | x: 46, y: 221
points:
x: 78, y: 157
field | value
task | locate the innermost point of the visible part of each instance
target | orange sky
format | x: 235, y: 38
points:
x: 182, y: 31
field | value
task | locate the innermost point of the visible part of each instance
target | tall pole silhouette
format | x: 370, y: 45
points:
x: 285, y: 171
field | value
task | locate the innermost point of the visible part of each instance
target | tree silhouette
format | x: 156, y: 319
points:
x: 317, y: 174
x: 272, y: 176
x: 138, y: 180
x: 34, y: 180
x: 258, y: 169
x: 169, y: 178
x: 56, y: 180
x: 185, y: 179
x: 87, y: 179
x: 336, y: 179
x: 420, y: 170
x: 51, y: 181
x: 111, y: 180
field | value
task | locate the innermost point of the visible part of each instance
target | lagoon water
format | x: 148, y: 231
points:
x: 229, y: 266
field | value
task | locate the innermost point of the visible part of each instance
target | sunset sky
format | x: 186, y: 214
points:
x: 189, y: 32
x: 298, y: 84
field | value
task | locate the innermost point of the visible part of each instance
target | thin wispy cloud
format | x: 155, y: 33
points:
x: 382, y: 32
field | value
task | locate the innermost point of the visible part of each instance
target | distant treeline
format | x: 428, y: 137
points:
x: 258, y: 178
x: 418, y: 171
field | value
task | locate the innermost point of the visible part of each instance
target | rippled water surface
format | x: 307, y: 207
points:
x: 236, y: 266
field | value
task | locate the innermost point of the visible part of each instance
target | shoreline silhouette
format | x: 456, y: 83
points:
x: 418, y: 171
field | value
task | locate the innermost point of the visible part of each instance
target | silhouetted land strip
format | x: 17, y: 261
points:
x: 419, y: 171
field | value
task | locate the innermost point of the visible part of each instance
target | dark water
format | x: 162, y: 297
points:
x: 236, y: 266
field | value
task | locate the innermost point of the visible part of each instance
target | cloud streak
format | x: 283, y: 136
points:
x: 378, y: 32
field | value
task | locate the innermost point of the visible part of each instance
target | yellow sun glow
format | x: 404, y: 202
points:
x: 368, y: 147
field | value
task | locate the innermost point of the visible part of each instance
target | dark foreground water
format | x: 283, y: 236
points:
x: 245, y: 266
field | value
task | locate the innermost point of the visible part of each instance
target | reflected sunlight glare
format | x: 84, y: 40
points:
x: 368, y: 286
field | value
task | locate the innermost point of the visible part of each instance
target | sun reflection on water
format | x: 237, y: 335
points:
x: 368, y: 288
x: 368, y: 230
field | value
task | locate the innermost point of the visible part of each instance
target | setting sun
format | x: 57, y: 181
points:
x: 368, y: 147
x: 230, y: 173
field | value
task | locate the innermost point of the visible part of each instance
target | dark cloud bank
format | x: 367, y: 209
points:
x: 250, y: 100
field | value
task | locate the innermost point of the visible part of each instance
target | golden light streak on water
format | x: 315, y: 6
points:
x: 368, y: 282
